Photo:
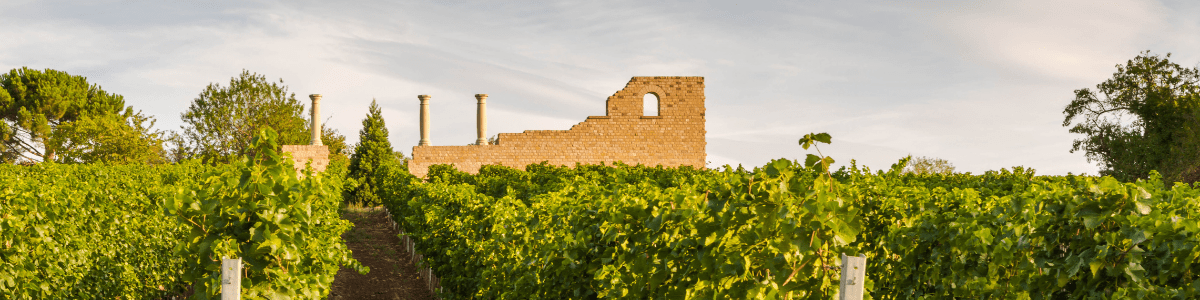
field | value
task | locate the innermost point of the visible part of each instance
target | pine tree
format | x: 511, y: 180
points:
x: 52, y: 116
x: 373, y: 150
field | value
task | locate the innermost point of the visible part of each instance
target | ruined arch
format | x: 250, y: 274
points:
x: 651, y: 105
x: 629, y: 101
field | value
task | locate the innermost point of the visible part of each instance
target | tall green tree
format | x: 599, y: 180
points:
x: 338, y: 150
x: 928, y: 165
x: 1143, y: 118
x: 222, y: 120
x: 117, y: 138
x: 51, y: 116
x: 373, y: 150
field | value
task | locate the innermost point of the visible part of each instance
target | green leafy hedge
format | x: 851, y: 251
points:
x: 1013, y: 235
x: 776, y: 232
x: 90, y: 231
x: 286, y: 229
x: 149, y: 232
x: 629, y: 232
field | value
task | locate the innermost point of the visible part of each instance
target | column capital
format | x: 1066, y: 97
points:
x: 315, y: 97
x: 481, y: 97
x: 424, y: 97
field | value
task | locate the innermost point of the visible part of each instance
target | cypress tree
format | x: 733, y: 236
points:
x: 373, y: 150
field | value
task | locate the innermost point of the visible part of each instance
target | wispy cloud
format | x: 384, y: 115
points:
x: 981, y: 84
x: 1059, y: 40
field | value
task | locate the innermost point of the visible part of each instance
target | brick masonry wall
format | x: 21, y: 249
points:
x: 673, y: 138
x: 302, y: 154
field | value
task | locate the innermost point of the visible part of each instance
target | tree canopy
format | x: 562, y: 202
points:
x: 51, y: 116
x: 928, y: 165
x: 336, y: 143
x: 222, y: 120
x: 1143, y: 118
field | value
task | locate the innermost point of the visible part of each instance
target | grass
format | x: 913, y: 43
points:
x: 356, y: 208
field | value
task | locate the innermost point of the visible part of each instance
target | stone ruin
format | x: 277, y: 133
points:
x: 674, y: 137
x: 315, y: 152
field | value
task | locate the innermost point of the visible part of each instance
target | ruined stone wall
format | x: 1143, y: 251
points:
x: 302, y: 154
x: 314, y: 152
x: 673, y: 138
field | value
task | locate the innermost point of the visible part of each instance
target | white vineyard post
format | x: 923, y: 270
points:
x: 854, y: 277
x: 231, y: 278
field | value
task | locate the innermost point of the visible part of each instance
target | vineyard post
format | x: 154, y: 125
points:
x: 854, y: 276
x: 231, y: 278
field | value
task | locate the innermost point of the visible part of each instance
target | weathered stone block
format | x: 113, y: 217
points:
x: 303, y: 154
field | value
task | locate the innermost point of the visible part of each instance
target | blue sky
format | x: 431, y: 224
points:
x: 981, y: 83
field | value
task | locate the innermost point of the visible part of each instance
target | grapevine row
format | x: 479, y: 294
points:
x: 152, y: 232
x: 776, y: 232
x: 628, y: 232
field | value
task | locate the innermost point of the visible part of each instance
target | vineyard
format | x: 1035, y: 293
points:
x: 152, y: 232
x: 72, y: 232
x: 595, y: 231
x: 777, y: 232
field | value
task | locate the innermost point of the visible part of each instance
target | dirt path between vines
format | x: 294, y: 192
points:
x: 375, y: 245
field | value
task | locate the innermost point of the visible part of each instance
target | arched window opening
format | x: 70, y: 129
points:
x: 650, y: 104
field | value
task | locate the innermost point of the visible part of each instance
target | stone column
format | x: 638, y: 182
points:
x: 316, y: 119
x: 424, y: 120
x: 481, y: 119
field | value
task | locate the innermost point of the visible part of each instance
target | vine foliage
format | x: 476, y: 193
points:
x: 631, y: 231
x: 285, y: 227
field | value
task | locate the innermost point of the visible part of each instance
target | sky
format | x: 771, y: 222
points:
x: 981, y: 84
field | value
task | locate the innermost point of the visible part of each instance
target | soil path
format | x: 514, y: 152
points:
x: 375, y: 245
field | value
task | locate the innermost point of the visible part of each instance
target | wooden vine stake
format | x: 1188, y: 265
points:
x: 231, y: 278
x: 854, y: 277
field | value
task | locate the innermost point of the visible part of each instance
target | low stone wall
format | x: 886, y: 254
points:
x: 673, y: 138
x: 303, y: 154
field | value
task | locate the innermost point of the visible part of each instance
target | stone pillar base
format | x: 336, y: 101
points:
x: 302, y: 154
